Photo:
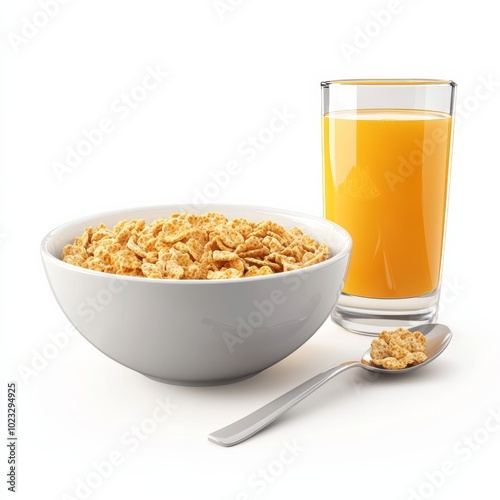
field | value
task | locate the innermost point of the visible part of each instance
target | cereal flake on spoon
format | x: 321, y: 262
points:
x: 397, y: 349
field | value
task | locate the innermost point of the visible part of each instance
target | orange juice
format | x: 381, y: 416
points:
x: 385, y: 180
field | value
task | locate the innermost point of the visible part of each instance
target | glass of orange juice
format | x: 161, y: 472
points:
x: 386, y: 162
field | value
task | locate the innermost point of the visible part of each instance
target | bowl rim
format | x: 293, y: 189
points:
x: 47, y: 254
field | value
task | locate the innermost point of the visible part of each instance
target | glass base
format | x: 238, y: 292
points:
x: 370, y: 316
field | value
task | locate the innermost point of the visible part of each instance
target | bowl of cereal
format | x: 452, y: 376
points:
x: 198, y: 295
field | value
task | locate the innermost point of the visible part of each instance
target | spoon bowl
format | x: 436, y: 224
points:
x: 437, y: 336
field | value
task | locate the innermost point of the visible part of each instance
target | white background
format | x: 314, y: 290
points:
x: 230, y: 66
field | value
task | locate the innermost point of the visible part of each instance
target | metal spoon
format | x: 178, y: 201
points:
x: 437, y: 339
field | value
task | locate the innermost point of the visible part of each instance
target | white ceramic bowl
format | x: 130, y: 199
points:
x: 198, y: 332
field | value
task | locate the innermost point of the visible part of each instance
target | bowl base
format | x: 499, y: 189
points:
x: 200, y: 383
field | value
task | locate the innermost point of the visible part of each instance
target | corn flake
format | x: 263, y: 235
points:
x: 395, y: 350
x: 207, y: 246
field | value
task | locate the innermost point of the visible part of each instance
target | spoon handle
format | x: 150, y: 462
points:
x: 254, y: 422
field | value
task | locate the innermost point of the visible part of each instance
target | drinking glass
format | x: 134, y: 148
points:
x: 386, y: 163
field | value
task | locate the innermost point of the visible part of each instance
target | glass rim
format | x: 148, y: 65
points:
x: 389, y: 81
